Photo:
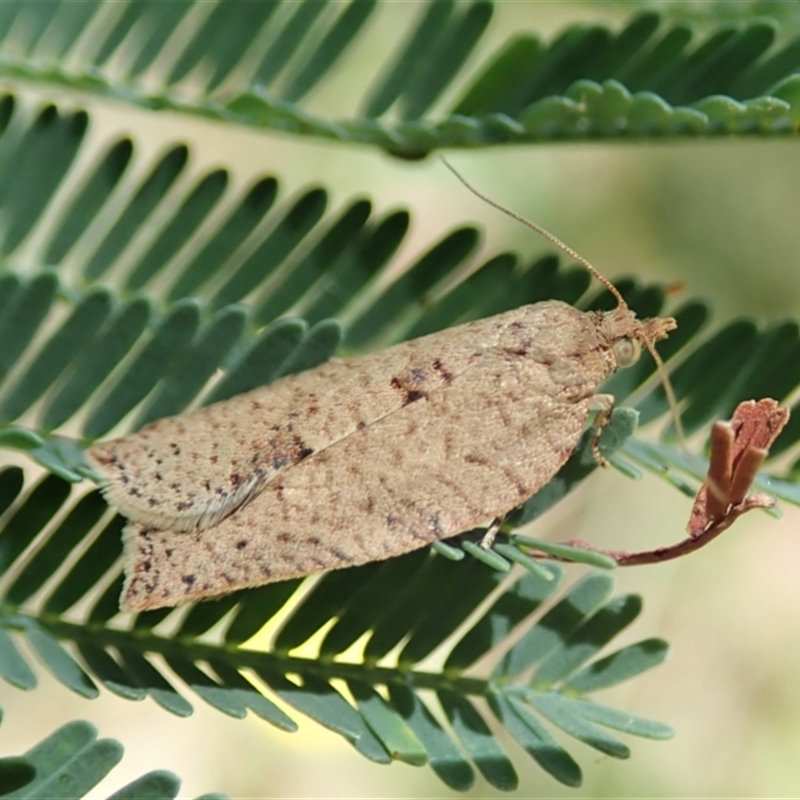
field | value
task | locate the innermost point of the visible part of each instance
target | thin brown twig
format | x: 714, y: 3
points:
x: 669, y: 552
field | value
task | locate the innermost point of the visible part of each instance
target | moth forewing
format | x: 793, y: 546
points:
x: 190, y: 471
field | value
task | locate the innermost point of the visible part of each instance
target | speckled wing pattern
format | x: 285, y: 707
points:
x: 354, y: 461
x: 190, y: 471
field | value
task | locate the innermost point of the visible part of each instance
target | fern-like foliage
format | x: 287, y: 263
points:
x: 257, y: 63
x: 416, y: 601
x: 105, y: 357
x: 71, y: 762
x: 133, y: 286
x: 225, y: 295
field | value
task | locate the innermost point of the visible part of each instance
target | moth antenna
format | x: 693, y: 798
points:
x: 670, y: 392
x: 662, y: 370
x: 541, y: 231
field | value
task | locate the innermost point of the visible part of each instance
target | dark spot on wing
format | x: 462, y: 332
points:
x: 447, y: 376
x: 411, y: 392
x: 300, y: 449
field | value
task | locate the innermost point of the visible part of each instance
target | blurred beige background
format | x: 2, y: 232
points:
x: 720, y: 216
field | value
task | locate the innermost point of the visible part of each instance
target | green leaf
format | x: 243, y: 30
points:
x: 46, y: 151
x: 328, y: 597
x: 240, y: 286
x: 418, y: 44
x: 446, y: 760
x: 423, y: 596
x: 107, y: 349
x: 238, y: 225
x: 153, y: 682
x: 169, y: 339
x: 612, y: 718
x: 203, y: 616
x: 585, y: 640
x: 89, y: 314
x: 552, y: 630
x: 492, y: 559
x: 343, y: 30
x: 620, y: 666
x: 156, y: 785
x: 187, y: 219
x: 319, y: 700
x: 365, y: 606
x: 226, y: 700
x: 88, y: 202
x: 398, y: 739
x: 551, y: 705
x: 568, y: 552
x: 69, y: 763
x: 263, y: 360
x: 60, y: 664
x: 104, y: 667
x: 507, y: 612
x: 535, y: 740
x: 107, y: 605
x: 244, y: 691
x: 21, y: 319
x: 449, y: 610
x: 532, y: 565
x: 48, y: 558
x: 88, y: 569
x: 15, y: 773
x: 13, y: 667
x: 459, y: 35
x: 256, y: 607
x: 474, y: 734
x: 148, y: 195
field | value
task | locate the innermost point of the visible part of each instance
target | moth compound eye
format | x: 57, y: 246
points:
x: 627, y: 351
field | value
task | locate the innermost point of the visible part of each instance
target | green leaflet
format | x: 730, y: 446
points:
x: 71, y: 761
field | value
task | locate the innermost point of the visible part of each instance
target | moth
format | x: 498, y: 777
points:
x: 364, y: 459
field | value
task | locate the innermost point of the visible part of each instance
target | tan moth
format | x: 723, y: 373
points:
x: 364, y: 459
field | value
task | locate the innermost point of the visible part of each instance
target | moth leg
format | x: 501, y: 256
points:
x: 604, y: 405
x: 491, y: 533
